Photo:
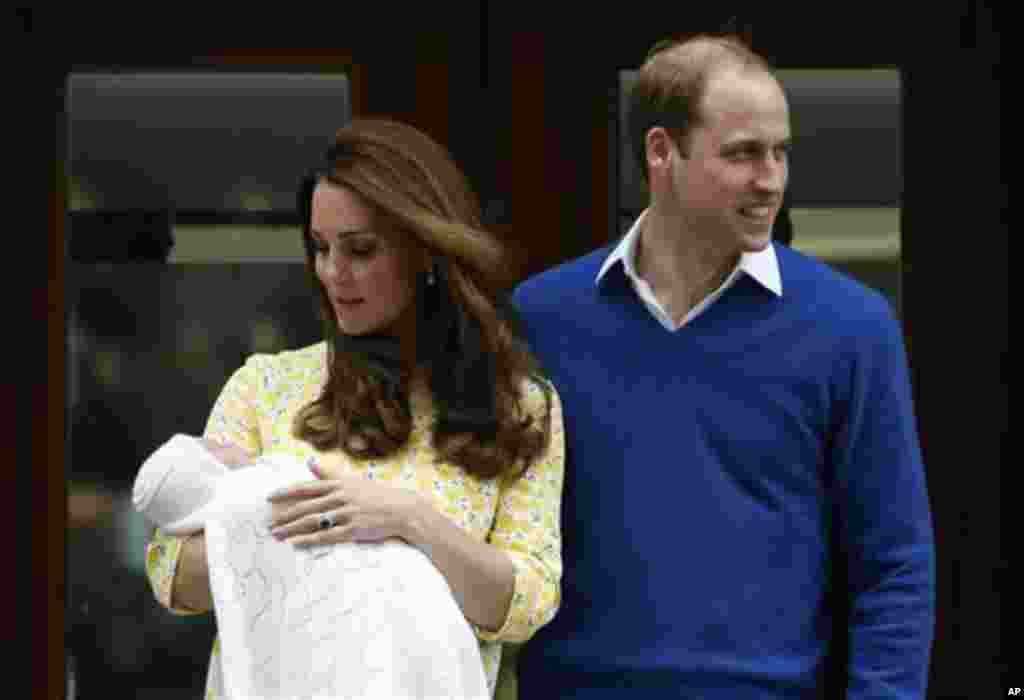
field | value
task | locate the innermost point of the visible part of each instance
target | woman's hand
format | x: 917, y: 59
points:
x: 481, y: 576
x: 362, y: 510
x: 191, y: 587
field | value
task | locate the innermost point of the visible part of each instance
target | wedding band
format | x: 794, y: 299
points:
x: 326, y: 521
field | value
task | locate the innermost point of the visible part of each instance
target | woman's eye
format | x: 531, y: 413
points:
x: 363, y: 251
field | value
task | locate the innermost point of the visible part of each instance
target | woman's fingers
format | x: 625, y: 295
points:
x: 319, y: 538
x: 349, y: 529
x: 305, y: 489
x: 290, y: 514
x: 308, y: 528
x: 351, y: 524
x: 362, y: 511
x: 303, y: 525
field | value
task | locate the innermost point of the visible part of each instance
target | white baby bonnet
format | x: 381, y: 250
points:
x: 176, y: 485
x: 368, y: 620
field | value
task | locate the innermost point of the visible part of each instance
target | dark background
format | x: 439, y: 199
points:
x: 523, y: 102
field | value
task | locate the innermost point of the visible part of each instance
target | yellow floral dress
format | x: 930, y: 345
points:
x: 255, y: 410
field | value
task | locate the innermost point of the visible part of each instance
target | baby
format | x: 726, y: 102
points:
x: 346, y: 620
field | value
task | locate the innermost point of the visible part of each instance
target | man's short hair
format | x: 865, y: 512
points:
x: 671, y: 83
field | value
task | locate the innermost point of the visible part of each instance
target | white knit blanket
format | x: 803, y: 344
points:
x: 367, y: 620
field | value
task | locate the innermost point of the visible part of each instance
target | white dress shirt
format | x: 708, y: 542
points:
x: 762, y: 266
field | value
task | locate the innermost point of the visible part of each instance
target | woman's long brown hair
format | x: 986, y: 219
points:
x: 409, y: 180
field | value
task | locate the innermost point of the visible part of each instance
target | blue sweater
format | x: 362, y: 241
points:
x: 711, y: 475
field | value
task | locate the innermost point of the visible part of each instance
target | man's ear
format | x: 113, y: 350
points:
x: 659, y: 147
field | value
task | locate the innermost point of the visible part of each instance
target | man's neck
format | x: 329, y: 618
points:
x: 681, y: 269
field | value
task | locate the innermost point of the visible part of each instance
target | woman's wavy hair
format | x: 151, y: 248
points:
x: 467, y: 335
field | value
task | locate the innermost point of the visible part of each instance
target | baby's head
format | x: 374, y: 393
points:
x: 180, y: 478
x: 227, y: 454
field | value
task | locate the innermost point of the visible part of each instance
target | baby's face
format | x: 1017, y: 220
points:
x: 228, y: 455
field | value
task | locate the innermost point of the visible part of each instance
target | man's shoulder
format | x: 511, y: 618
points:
x: 576, y: 274
x: 816, y: 285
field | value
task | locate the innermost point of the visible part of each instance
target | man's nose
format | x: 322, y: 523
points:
x: 772, y: 173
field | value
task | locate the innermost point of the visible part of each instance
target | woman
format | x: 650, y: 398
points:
x: 422, y: 405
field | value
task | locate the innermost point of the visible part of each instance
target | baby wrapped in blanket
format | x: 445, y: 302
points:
x: 353, y: 620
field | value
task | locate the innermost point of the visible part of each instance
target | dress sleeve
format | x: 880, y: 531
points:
x: 234, y: 419
x: 527, y: 527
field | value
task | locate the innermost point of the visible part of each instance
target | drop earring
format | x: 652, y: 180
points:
x: 431, y: 281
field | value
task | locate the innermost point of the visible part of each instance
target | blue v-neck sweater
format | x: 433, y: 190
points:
x: 712, y: 475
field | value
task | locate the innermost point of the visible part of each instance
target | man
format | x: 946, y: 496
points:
x: 743, y: 464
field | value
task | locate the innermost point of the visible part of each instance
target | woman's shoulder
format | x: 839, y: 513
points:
x: 538, y: 394
x: 309, y: 356
x: 535, y: 384
x: 292, y: 364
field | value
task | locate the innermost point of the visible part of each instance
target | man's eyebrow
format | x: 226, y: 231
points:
x: 747, y: 141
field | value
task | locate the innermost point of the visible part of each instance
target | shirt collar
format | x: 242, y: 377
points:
x: 762, y: 266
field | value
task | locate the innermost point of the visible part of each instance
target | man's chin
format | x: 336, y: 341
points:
x: 756, y: 243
